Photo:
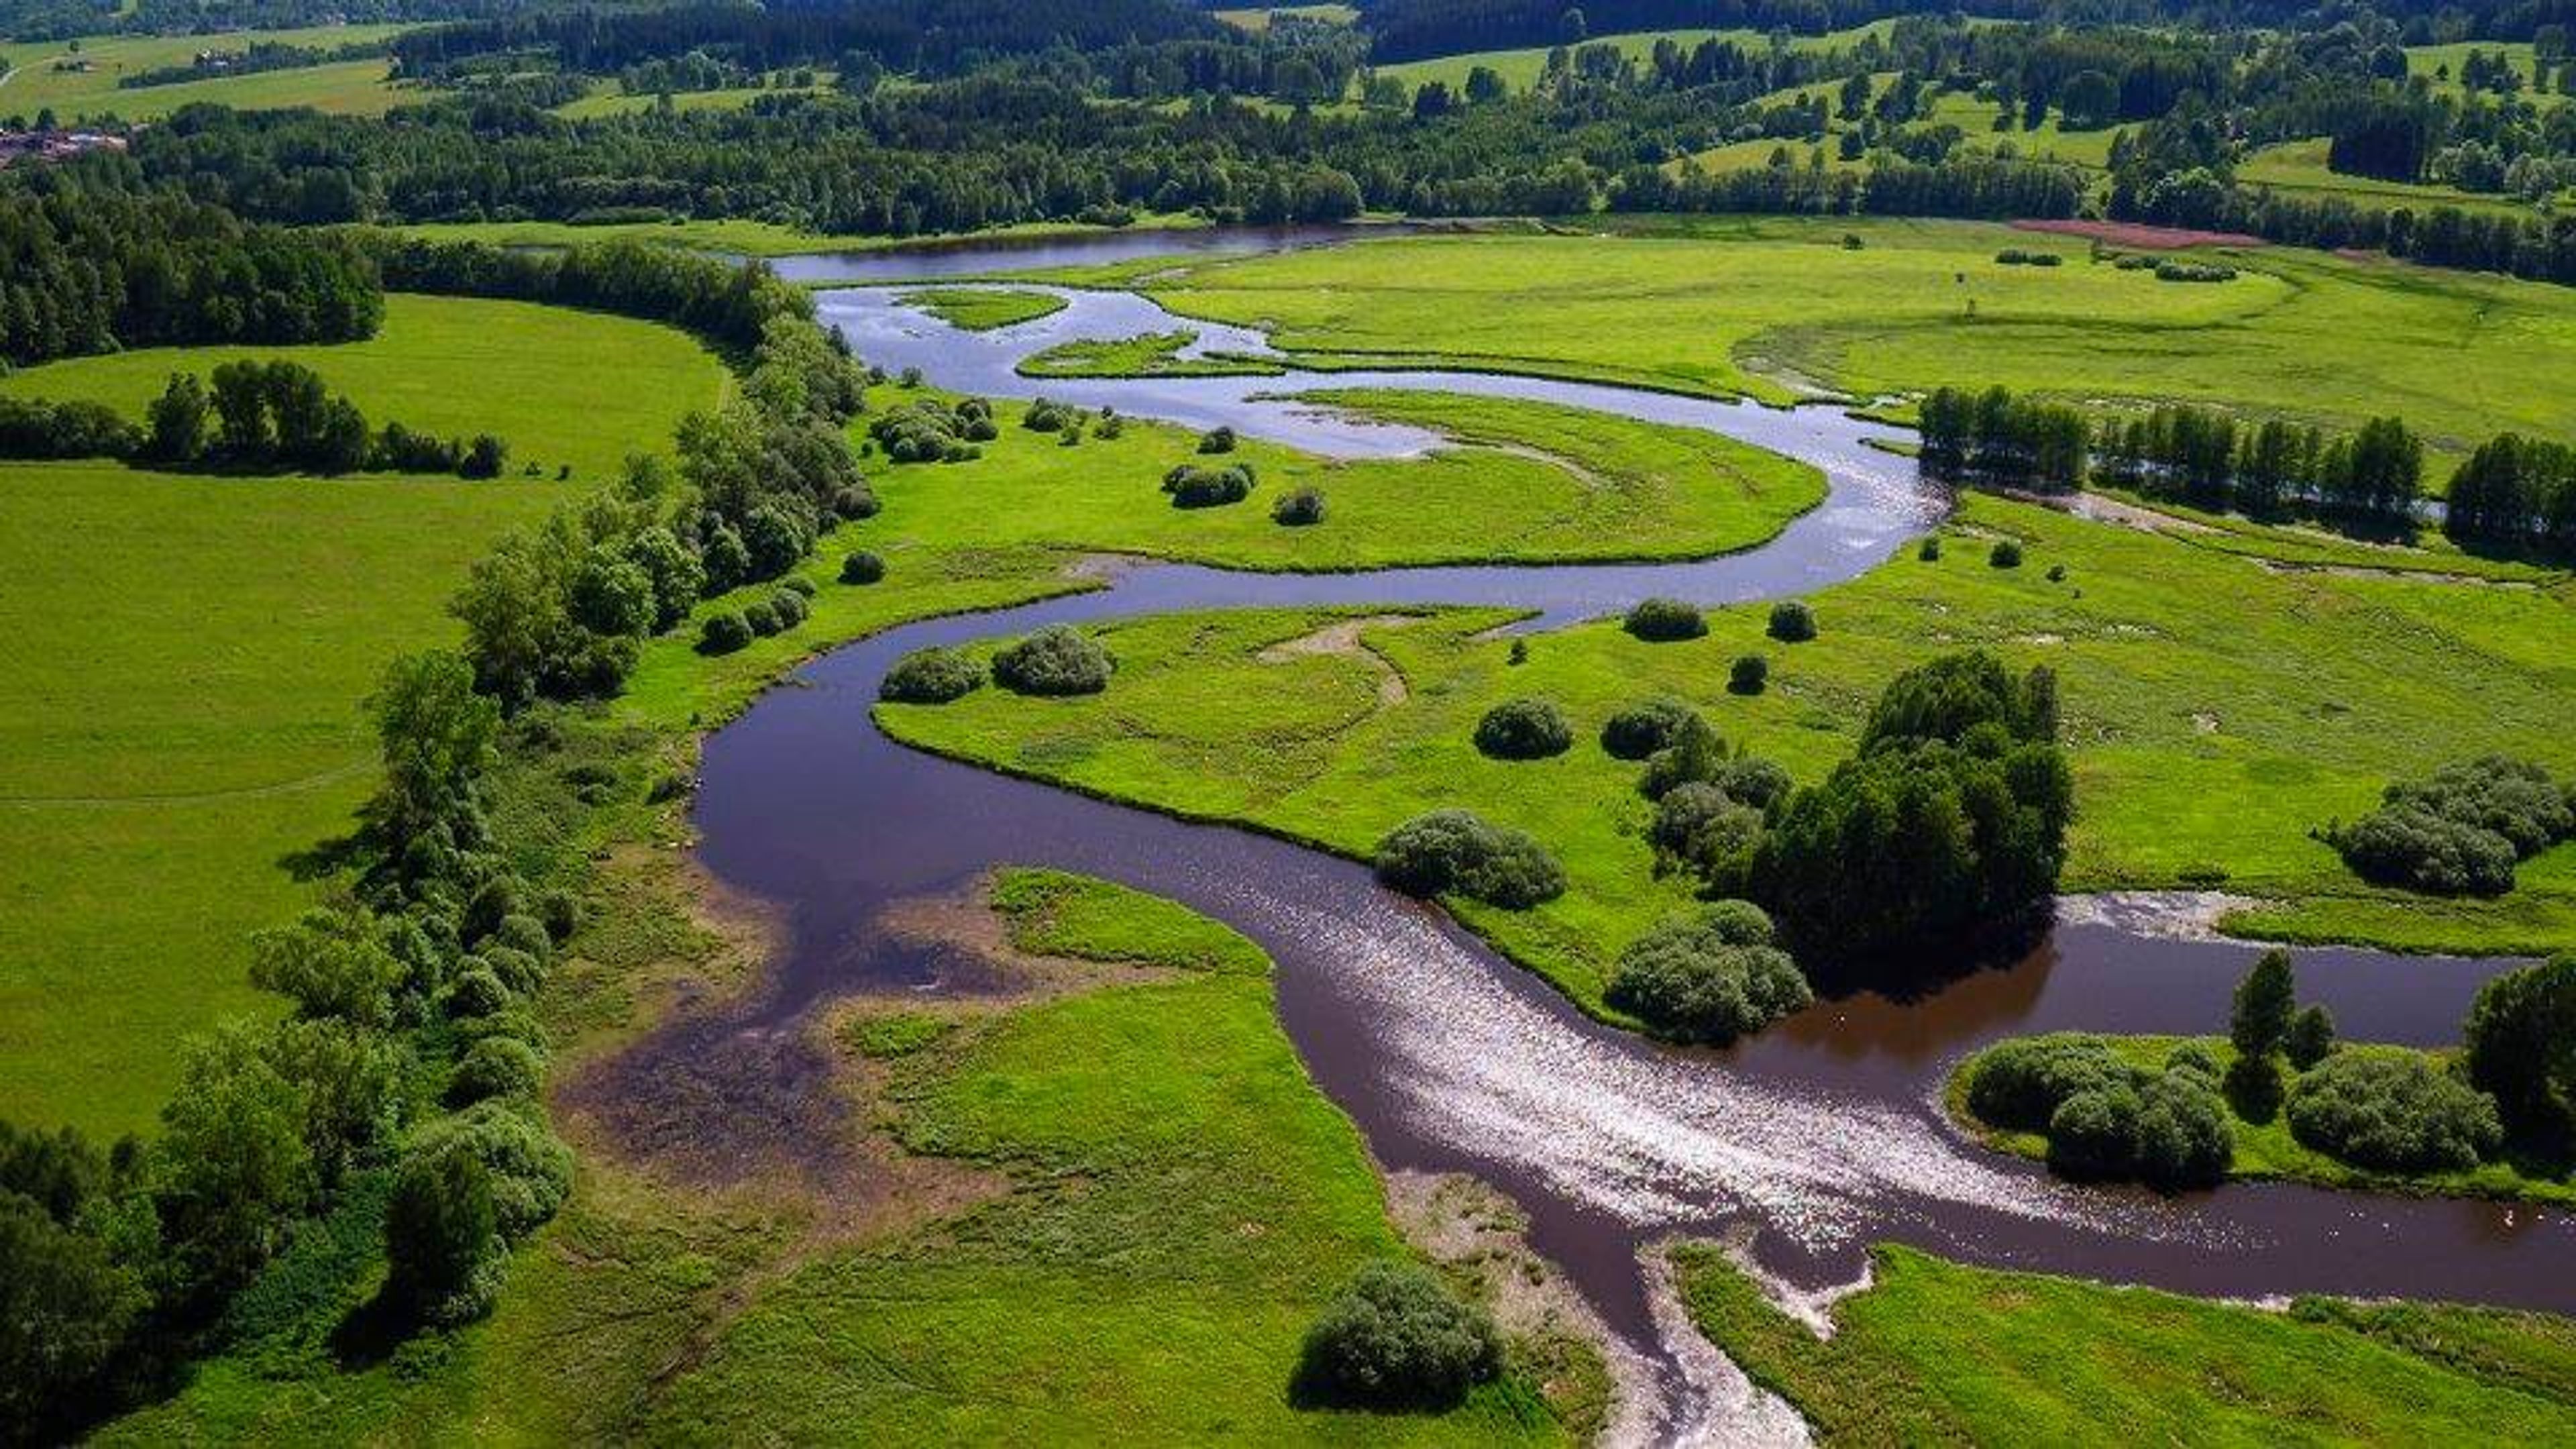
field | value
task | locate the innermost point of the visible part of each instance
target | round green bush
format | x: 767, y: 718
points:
x: 1929, y: 550
x: 2020, y: 1083
x: 1700, y: 980
x: 790, y: 607
x: 763, y: 618
x: 1456, y: 850
x: 525, y: 932
x: 1752, y: 780
x: 561, y: 913
x: 1299, y: 508
x: 1218, y: 439
x: 1396, y: 1338
x: 723, y: 634
x: 1750, y: 674
x: 1056, y: 660
x: 522, y: 973
x: 476, y: 991
x: 495, y: 1066
x: 1524, y: 729
x: 1792, y: 622
x: 1703, y: 827
x: 1196, y: 487
x: 2006, y: 554
x: 531, y: 1171
x: 442, y: 1238
x: 2389, y: 1109
x: 1661, y: 620
x: 862, y: 567
x: 799, y: 585
x: 931, y: 676
x: 1641, y: 729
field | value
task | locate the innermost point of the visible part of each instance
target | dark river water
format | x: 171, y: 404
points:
x: 1822, y: 1136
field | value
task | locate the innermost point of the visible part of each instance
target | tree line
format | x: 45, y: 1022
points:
x: 2371, y: 479
x: 256, y: 417
x: 93, y: 261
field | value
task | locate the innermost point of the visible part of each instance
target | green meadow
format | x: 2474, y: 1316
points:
x: 1521, y: 68
x: 2219, y: 707
x: 981, y: 309
x: 190, y: 674
x: 354, y: 87
x: 1767, y: 307
x: 1940, y: 1352
x: 2300, y: 166
x: 738, y: 235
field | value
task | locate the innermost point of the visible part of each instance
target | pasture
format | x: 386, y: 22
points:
x: 82, y: 81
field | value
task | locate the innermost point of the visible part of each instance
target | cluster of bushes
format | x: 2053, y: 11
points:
x: 2106, y: 1120
x: 1709, y: 978
x: 727, y: 630
x: 1662, y: 620
x: 2459, y: 831
x: 1524, y: 729
x: 34, y: 428
x: 1713, y: 809
x: 1396, y: 1338
x: 1054, y: 417
x: 2390, y: 1109
x: 1056, y: 660
x: 1947, y: 828
x: 1193, y: 486
x: 1219, y: 439
x: 1640, y: 730
x: 257, y: 417
x: 404, y: 1070
x: 2173, y: 270
x: 925, y: 430
x: 2202, y: 456
x: 1457, y: 852
x: 2017, y: 257
x: 932, y: 676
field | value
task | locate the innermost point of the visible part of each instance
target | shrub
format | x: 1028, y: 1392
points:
x: 799, y: 585
x: 442, y: 1240
x: 1751, y: 780
x: 1056, y: 660
x: 531, y: 1171
x: 2412, y: 847
x: 519, y: 971
x: 762, y: 617
x: 1708, y: 979
x: 1050, y: 417
x: 1194, y: 487
x: 2006, y: 554
x: 1696, y: 753
x: 723, y: 633
x: 1661, y: 620
x: 2388, y: 1109
x: 476, y: 991
x: 1217, y: 440
x: 2253, y: 1086
x: 1524, y: 729
x: 2195, y: 1061
x: 2180, y: 271
x: 523, y: 932
x: 862, y: 567
x: 1792, y: 622
x: 1929, y: 550
x: 2163, y: 1131
x: 854, y: 501
x: 2311, y: 1037
x: 1750, y: 674
x: 1396, y: 1338
x: 790, y: 607
x: 1641, y: 729
x: 931, y: 676
x: 2513, y: 798
x: 496, y: 1066
x: 1299, y: 508
x: 1703, y: 827
x: 1457, y: 851
x: 2020, y: 1083
x: 560, y: 911
x: 2057, y: 573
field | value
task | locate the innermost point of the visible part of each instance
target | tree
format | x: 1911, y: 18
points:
x: 1748, y: 675
x: 436, y: 736
x: 442, y: 1239
x: 2265, y: 999
x: 1484, y: 85
x: 66, y: 1307
x: 232, y: 1169
x: 1396, y: 1338
x: 485, y: 457
x: 177, y: 420
x: 2520, y: 1047
x: 332, y: 964
x: 2311, y: 1037
x: 1524, y: 729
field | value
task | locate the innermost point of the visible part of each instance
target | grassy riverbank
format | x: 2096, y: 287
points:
x: 2218, y: 709
x: 2266, y: 1150
x: 1754, y: 305
x: 189, y: 654
x: 1935, y: 1352
x: 981, y: 309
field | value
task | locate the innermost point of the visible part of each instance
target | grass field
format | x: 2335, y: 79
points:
x: 2300, y: 166
x: 1975, y: 118
x: 1164, y: 1203
x: 2267, y: 1150
x: 1753, y: 305
x: 1257, y: 18
x: 1938, y: 1352
x: 357, y: 87
x: 981, y: 309
x: 1521, y: 68
x: 2218, y: 708
x: 608, y: 100
x: 2439, y: 65
x: 741, y: 237
x: 1531, y: 482
x: 191, y: 652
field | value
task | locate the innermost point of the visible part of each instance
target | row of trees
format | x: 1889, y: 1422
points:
x: 2201, y: 456
x: 257, y: 417
x: 2515, y: 493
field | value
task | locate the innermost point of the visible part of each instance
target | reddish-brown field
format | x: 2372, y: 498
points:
x: 2142, y: 236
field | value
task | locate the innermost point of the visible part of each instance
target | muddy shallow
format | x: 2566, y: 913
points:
x: 1823, y: 1135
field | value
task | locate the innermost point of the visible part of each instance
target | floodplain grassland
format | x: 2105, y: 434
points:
x: 353, y: 87
x: 1768, y: 306
x: 1141, y: 1202
x: 744, y: 237
x: 2267, y: 1150
x: 2218, y: 709
x: 1935, y: 1352
x: 191, y: 652
x: 1520, y: 68
x: 981, y: 309
x: 1526, y: 482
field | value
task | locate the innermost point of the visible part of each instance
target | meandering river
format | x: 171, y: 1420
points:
x: 1820, y: 1137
